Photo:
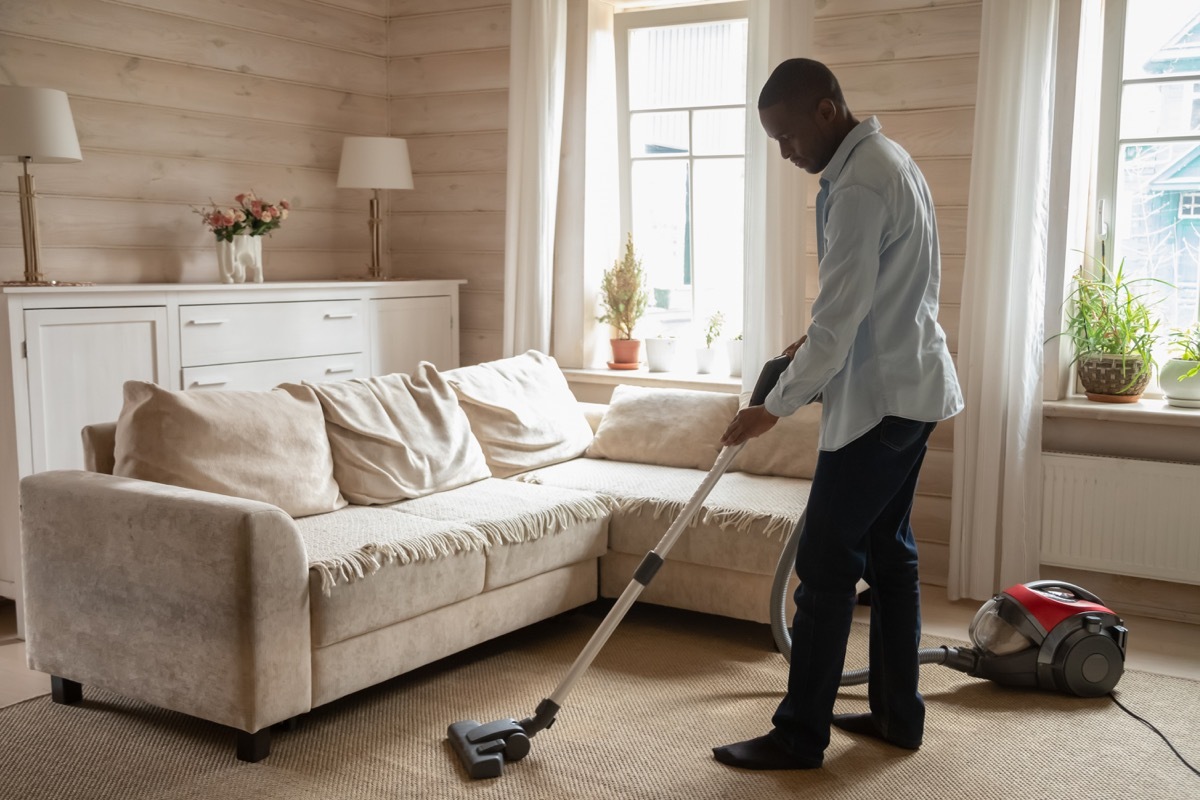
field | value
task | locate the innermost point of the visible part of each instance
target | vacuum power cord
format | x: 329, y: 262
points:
x: 1178, y: 755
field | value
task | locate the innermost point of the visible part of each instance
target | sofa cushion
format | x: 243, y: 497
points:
x: 372, y: 567
x: 398, y: 436
x: 266, y: 446
x: 788, y: 450
x: 741, y: 526
x: 667, y: 427
x: 529, y: 528
x: 522, y: 412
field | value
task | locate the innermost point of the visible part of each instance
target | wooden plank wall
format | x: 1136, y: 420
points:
x: 914, y: 64
x: 448, y: 95
x: 177, y: 102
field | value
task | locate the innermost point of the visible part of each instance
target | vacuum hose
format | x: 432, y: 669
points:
x: 963, y: 659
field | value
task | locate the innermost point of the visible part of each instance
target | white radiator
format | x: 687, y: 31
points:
x: 1122, y: 515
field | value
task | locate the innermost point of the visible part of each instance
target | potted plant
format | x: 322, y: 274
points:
x: 1180, y: 376
x: 1113, y: 335
x: 623, y: 296
x: 712, y: 332
x: 660, y: 353
x: 735, y: 356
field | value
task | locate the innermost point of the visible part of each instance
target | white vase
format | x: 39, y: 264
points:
x: 735, y: 358
x: 1180, y: 393
x: 240, y: 261
x: 661, y: 354
x: 704, y: 359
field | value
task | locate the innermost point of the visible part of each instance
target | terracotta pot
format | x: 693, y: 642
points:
x: 626, y: 353
x: 1110, y: 379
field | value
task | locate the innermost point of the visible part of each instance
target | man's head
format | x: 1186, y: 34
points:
x: 801, y: 106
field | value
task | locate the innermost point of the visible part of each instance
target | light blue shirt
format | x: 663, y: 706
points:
x: 874, y: 346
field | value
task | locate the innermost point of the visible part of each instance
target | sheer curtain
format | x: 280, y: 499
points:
x: 535, y: 119
x: 775, y: 259
x: 996, y: 504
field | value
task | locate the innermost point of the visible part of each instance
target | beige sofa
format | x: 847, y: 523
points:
x: 234, y: 610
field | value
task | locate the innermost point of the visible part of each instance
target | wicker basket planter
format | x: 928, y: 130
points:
x: 1110, y: 379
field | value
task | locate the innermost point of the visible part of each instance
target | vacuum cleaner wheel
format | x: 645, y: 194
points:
x: 1089, y: 665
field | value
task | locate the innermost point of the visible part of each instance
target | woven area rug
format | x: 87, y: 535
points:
x: 639, y: 724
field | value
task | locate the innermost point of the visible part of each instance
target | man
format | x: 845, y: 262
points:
x: 878, y: 360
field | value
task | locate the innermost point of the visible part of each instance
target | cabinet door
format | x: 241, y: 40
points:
x: 408, y: 330
x: 79, y: 359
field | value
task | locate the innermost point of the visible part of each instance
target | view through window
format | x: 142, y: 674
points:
x: 684, y: 120
x: 1155, y: 188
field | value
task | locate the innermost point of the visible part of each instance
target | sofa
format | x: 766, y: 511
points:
x: 244, y: 557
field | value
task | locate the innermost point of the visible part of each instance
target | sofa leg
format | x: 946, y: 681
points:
x: 65, y: 691
x: 253, y: 746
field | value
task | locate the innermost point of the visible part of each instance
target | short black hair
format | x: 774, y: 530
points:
x: 801, y: 80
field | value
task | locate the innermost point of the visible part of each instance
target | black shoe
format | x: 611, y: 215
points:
x: 763, y: 752
x: 865, y: 725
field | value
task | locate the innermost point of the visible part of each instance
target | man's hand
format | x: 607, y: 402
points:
x: 749, y: 422
x: 790, y: 350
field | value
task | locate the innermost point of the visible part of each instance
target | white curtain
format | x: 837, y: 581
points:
x: 775, y: 259
x: 535, y: 118
x: 996, y: 506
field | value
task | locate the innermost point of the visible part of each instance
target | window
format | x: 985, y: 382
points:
x: 1149, y: 175
x: 682, y: 137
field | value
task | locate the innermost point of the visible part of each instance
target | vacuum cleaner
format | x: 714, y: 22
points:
x: 1044, y: 634
x: 484, y: 748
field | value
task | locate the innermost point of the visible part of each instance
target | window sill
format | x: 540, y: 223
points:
x: 1148, y: 411
x: 661, y: 380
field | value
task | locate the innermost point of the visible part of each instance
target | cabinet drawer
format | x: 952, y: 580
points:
x: 262, y: 375
x: 236, y: 332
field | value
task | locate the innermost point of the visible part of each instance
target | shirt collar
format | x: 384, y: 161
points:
x: 862, y: 130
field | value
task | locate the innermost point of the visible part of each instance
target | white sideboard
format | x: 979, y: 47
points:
x: 68, y: 351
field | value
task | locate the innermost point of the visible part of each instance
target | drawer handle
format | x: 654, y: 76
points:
x: 207, y: 321
x: 341, y: 315
x: 338, y: 370
x: 212, y: 382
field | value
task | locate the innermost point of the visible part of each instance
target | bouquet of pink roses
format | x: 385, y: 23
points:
x: 251, y: 216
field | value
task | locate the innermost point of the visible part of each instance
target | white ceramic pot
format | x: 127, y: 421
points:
x: 661, y: 354
x: 704, y: 359
x: 735, y: 358
x: 240, y: 261
x: 1180, y: 393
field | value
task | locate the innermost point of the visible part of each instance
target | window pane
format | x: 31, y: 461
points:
x: 1154, y: 234
x: 720, y: 132
x: 1162, y: 37
x: 1171, y: 108
x: 719, y: 208
x: 659, y: 191
x: 688, y: 65
x: 658, y: 134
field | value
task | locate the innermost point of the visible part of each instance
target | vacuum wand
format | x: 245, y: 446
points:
x: 483, y: 748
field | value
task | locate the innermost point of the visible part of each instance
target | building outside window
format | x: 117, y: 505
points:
x: 1149, y: 174
x: 682, y: 137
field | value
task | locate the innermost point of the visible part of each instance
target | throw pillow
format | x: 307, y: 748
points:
x: 268, y: 446
x: 788, y: 450
x: 522, y: 412
x: 398, y: 437
x: 667, y: 427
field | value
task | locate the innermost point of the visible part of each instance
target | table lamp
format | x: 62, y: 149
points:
x: 377, y: 163
x: 35, y: 127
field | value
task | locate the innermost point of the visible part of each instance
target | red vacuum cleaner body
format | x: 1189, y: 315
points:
x: 1050, y: 635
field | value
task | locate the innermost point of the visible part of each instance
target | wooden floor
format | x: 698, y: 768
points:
x: 1168, y: 648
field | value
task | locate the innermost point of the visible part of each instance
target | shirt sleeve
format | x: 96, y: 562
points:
x: 848, y: 275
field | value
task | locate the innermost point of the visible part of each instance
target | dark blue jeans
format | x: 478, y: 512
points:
x: 857, y: 526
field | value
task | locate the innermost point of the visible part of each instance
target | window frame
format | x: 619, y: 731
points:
x: 623, y: 22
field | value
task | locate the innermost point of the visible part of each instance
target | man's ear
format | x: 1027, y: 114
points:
x: 826, y: 110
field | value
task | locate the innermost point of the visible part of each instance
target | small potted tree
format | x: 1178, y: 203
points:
x: 623, y: 296
x: 1113, y: 335
x: 735, y: 356
x: 712, y: 332
x: 1180, y: 376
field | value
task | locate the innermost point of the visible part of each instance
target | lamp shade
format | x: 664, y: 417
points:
x: 374, y: 162
x: 37, y: 124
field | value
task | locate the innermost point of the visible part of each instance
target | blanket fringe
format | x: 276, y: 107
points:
x: 370, y: 558
x: 740, y: 519
x: 532, y: 526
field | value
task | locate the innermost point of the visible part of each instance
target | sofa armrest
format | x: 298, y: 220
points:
x: 188, y: 600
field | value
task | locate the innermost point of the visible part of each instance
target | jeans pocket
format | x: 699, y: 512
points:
x: 900, y: 434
